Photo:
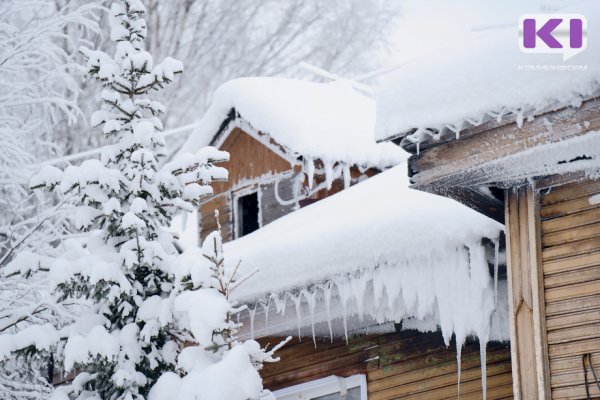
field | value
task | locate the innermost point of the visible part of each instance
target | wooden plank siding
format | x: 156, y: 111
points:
x: 252, y: 167
x: 208, y: 222
x: 250, y: 160
x: 404, y: 365
x: 465, y: 161
x: 570, y: 233
x: 526, y: 296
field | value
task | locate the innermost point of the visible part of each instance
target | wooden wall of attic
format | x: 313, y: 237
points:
x: 255, y: 168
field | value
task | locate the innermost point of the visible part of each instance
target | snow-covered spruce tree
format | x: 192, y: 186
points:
x: 218, y: 365
x: 128, y: 266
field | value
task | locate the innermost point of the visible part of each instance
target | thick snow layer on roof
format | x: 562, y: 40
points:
x: 374, y: 253
x: 375, y: 222
x: 327, y: 121
x: 488, y: 73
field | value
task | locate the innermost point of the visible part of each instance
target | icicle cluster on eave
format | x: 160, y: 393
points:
x: 485, y: 73
x: 453, y: 290
x: 454, y: 293
x: 311, y: 166
x: 504, y: 115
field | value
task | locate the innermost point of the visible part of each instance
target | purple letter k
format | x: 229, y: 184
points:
x: 545, y: 33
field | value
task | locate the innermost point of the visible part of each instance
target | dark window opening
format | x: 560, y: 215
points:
x: 247, y: 214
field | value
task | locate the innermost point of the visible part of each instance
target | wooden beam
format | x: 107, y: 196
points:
x: 450, y: 162
x: 526, y: 296
x: 488, y: 206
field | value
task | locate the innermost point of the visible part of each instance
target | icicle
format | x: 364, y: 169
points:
x: 455, y: 129
x: 418, y: 147
x: 328, y: 174
x: 280, y: 303
x: 496, y: 261
x: 327, y: 295
x: 297, y: 189
x: 298, y: 303
x: 458, y: 366
x: 310, y: 171
x: 359, y: 286
x: 379, y: 280
x: 344, y: 292
x: 345, y: 320
x: 312, y: 302
x: 483, y: 360
x: 519, y: 118
x: 252, y: 312
x: 265, y: 306
x: 500, y: 115
x: 347, y: 176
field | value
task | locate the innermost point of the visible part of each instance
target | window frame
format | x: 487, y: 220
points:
x: 323, y: 387
x: 236, y: 195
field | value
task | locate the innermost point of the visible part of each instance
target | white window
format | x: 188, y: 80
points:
x: 330, y: 388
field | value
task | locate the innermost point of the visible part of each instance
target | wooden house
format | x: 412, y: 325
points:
x: 522, y: 146
x: 385, y: 289
x: 291, y: 143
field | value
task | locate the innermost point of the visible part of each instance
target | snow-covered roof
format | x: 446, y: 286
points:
x: 327, y: 121
x: 378, y: 221
x: 485, y: 76
x: 376, y: 240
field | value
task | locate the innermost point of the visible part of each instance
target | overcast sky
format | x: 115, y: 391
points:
x: 428, y: 25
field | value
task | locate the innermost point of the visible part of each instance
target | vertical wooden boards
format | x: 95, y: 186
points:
x: 526, y: 302
x: 570, y: 234
x: 250, y: 160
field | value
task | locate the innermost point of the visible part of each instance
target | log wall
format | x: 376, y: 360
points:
x: 404, y: 365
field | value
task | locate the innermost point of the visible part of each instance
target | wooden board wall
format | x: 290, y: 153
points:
x: 251, y: 168
x: 404, y: 365
x: 526, y: 295
x: 208, y: 222
x: 570, y: 234
x: 249, y: 159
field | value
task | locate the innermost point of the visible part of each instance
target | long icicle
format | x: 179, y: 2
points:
x: 496, y: 261
x: 483, y: 360
x: 327, y: 295
x: 252, y: 312
x: 312, y: 303
x: 265, y: 306
x: 459, y: 345
x: 297, y: 303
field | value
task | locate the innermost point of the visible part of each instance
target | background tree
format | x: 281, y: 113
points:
x: 219, y: 40
x: 38, y: 89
